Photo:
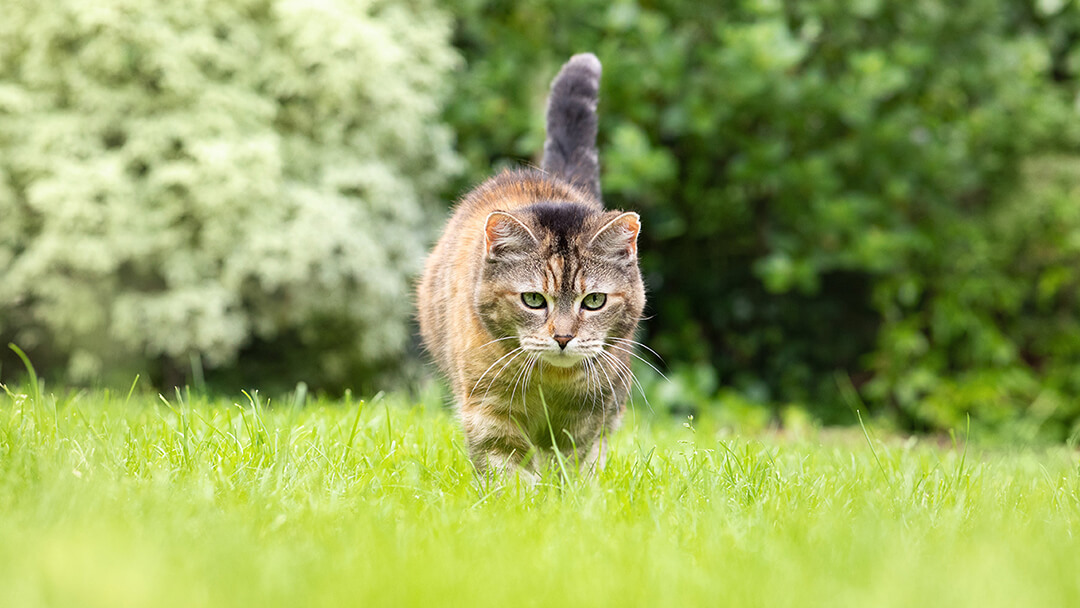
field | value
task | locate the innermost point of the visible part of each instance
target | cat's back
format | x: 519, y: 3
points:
x: 509, y: 190
x: 448, y: 322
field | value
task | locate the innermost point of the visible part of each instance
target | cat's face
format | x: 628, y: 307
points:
x: 562, y: 279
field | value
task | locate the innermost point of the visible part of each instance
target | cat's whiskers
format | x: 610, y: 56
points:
x: 617, y: 370
x: 620, y: 377
x: 623, y: 370
x: 528, y: 379
x: 611, y: 384
x: 586, y: 366
x: 510, y: 404
x: 633, y: 343
x: 604, y: 410
x: 597, y: 367
x: 639, y: 358
x: 599, y: 363
x: 481, y: 378
x: 518, y: 379
x: 490, y: 342
x: 517, y: 352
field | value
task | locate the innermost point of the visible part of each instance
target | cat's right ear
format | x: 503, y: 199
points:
x: 506, y: 237
x: 616, y: 241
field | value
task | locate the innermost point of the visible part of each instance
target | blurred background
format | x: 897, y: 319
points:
x: 868, y: 204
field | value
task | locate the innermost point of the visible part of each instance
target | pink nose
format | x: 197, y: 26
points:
x: 563, y: 340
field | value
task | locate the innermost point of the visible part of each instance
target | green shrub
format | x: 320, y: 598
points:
x: 213, y: 179
x: 993, y: 329
x: 825, y: 185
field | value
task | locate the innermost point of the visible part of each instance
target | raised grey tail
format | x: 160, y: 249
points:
x: 570, y: 149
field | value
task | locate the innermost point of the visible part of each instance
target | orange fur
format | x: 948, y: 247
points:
x: 453, y: 267
x: 502, y: 301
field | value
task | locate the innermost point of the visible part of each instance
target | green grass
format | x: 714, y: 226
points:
x: 114, y: 500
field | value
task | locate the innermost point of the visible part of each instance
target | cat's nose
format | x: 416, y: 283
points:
x: 563, y: 340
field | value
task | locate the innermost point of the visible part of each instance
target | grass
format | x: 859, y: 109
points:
x: 130, y: 500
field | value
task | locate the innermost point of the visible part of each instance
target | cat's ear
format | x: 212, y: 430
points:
x: 505, y: 236
x: 616, y: 241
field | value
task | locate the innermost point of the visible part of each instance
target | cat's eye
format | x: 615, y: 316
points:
x: 533, y: 299
x: 594, y: 301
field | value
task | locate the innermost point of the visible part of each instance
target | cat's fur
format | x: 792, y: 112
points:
x: 519, y: 392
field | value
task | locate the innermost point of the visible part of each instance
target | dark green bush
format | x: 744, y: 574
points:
x: 829, y: 189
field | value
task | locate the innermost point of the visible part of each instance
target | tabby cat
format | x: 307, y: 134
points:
x: 529, y: 300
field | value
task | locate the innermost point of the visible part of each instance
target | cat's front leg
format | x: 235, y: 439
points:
x: 597, y: 458
x: 498, y: 449
x: 590, y: 444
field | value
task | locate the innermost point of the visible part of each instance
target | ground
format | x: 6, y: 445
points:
x: 139, y: 500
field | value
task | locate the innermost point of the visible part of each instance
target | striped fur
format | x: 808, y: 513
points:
x: 533, y: 231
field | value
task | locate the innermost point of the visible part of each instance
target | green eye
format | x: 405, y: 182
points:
x: 533, y: 299
x: 594, y: 301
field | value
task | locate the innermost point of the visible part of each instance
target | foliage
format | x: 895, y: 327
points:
x: 198, y: 180
x: 995, y: 331
x: 828, y: 188
x: 110, y: 501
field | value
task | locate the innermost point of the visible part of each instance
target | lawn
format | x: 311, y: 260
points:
x: 136, y: 500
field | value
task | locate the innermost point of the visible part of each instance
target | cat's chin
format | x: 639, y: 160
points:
x: 563, y: 359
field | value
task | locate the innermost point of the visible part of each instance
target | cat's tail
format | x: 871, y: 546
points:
x: 570, y: 149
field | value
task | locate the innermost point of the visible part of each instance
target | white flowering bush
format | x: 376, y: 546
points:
x: 214, y: 178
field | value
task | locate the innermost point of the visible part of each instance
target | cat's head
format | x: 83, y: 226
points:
x: 562, y: 278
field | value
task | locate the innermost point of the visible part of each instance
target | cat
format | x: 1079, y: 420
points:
x: 530, y: 298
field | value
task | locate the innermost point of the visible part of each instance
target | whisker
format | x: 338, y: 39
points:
x: 493, y: 342
x: 528, y: 380
x: 620, y: 376
x: 641, y: 344
x: 510, y: 402
x: 595, y: 366
x: 614, y: 369
x: 587, y: 367
x: 604, y: 406
x: 630, y: 373
x: 600, y: 399
x: 473, y: 390
x: 517, y: 381
x: 639, y: 358
x: 499, y: 373
x: 611, y: 384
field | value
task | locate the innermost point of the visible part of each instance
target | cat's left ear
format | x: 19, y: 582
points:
x: 616, y: 240
x: 507, y: 237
